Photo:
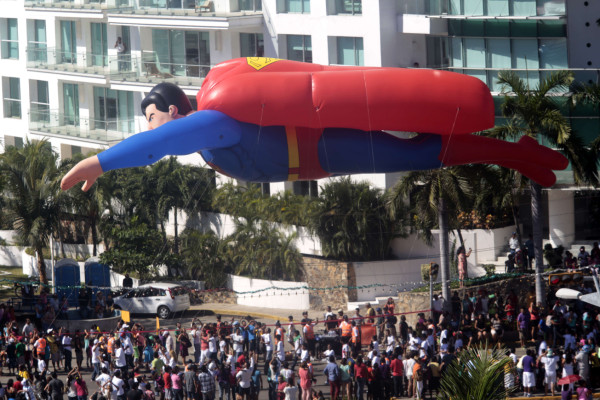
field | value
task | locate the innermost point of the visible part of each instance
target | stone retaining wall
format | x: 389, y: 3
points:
x: 321, y: 273
x: 221, y: 297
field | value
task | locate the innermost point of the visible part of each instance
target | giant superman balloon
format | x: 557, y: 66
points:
x: 268, y: 120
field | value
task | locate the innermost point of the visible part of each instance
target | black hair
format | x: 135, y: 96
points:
x: 167, y: 94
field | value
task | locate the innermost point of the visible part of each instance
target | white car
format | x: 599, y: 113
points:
x: 157, y: 298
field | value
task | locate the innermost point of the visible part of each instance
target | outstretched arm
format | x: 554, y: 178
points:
x: 200, y: 131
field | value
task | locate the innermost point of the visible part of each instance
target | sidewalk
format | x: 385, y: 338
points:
x: 272, y: 314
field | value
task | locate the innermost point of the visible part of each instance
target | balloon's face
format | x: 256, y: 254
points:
x: 157, y: 118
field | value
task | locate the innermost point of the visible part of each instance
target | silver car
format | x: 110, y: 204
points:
x: 157, y: 298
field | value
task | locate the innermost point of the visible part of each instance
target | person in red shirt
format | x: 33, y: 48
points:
x: 397, y: 369
x: 168, y: 384
x: 361, y: 372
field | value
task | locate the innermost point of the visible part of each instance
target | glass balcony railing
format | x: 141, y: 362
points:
x: 485, y: 8
x: 148, y: 68
x: 174, y: 8
x: 531, y: 77
x: 68, y: 4
x: 52, y: 59
x: 56, y: 123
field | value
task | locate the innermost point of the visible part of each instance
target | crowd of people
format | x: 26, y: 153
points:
x: 375, y: 353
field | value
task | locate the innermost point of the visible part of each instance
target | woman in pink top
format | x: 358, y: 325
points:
x: 176, y: 382
x: 305, y: 380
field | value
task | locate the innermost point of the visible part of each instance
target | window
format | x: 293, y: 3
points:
x: 299, y: 48
x: 12, y: 97
x: 70, y: 104
x: 37, y: 49
x: 353, y: 7
x: 250, y: 5
x: 350, y: 51
x: 99, y: 45
x: 40, y: 101
x: 75, y: 150
x: 10, y: 39
x: 68, y: 36
x: 180, y: 53
x: 293, y: 6
x: 306, y: 188
x: 483, y: 58
x: 113, y: 110
x: 252, y: 45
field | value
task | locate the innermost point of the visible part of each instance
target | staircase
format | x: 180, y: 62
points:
x: 378, y: 302
x: 574, y: 249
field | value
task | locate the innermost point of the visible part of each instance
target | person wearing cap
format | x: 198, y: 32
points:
x: 583, y: 257
x: 550, y: 362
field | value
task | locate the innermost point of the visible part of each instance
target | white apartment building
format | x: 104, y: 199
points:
x: 64, y: 79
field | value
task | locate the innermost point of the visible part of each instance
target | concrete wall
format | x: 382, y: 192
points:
x: 10, y: 256
x: 223, y: 225
x: 9, y: 236
x: 288, y: 299
x: 487, y: 246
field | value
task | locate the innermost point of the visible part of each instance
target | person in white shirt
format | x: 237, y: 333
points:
x: 238, y: 343
x: 291, y: 330
x: 119, y: 355
x: 304, y: 354
x: 196, y: 334
x: 280, y: 350
x: 28, y: 328
x: 265, y: 338
x: 390, y: 341
x: 291, y: 390
x: 329, y: 352
x: 96, y: 360
x: 169, y: 342
x: 550, y: 362
x: 346, y: 351
x: 212, y: 347
x: 103, y: 381
x: 244, y: 378
x: 409, y: 363
x: 542, y: 349
x: 118, y: 385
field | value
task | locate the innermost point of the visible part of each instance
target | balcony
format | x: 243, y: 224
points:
x: 73, y: 62
x: 43, y: 121
x: 183, y: 14
x: 66, y: 5
x: 148, y: 69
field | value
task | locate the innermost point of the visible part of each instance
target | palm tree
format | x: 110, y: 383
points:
x: 477, y: 374
x: 352, y: 222
x: 90, y: 205
x: 203, y: 256
x: 259, y: 249
x: 32, y: 181
x: 436, y: 197
x: 535, y: 113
